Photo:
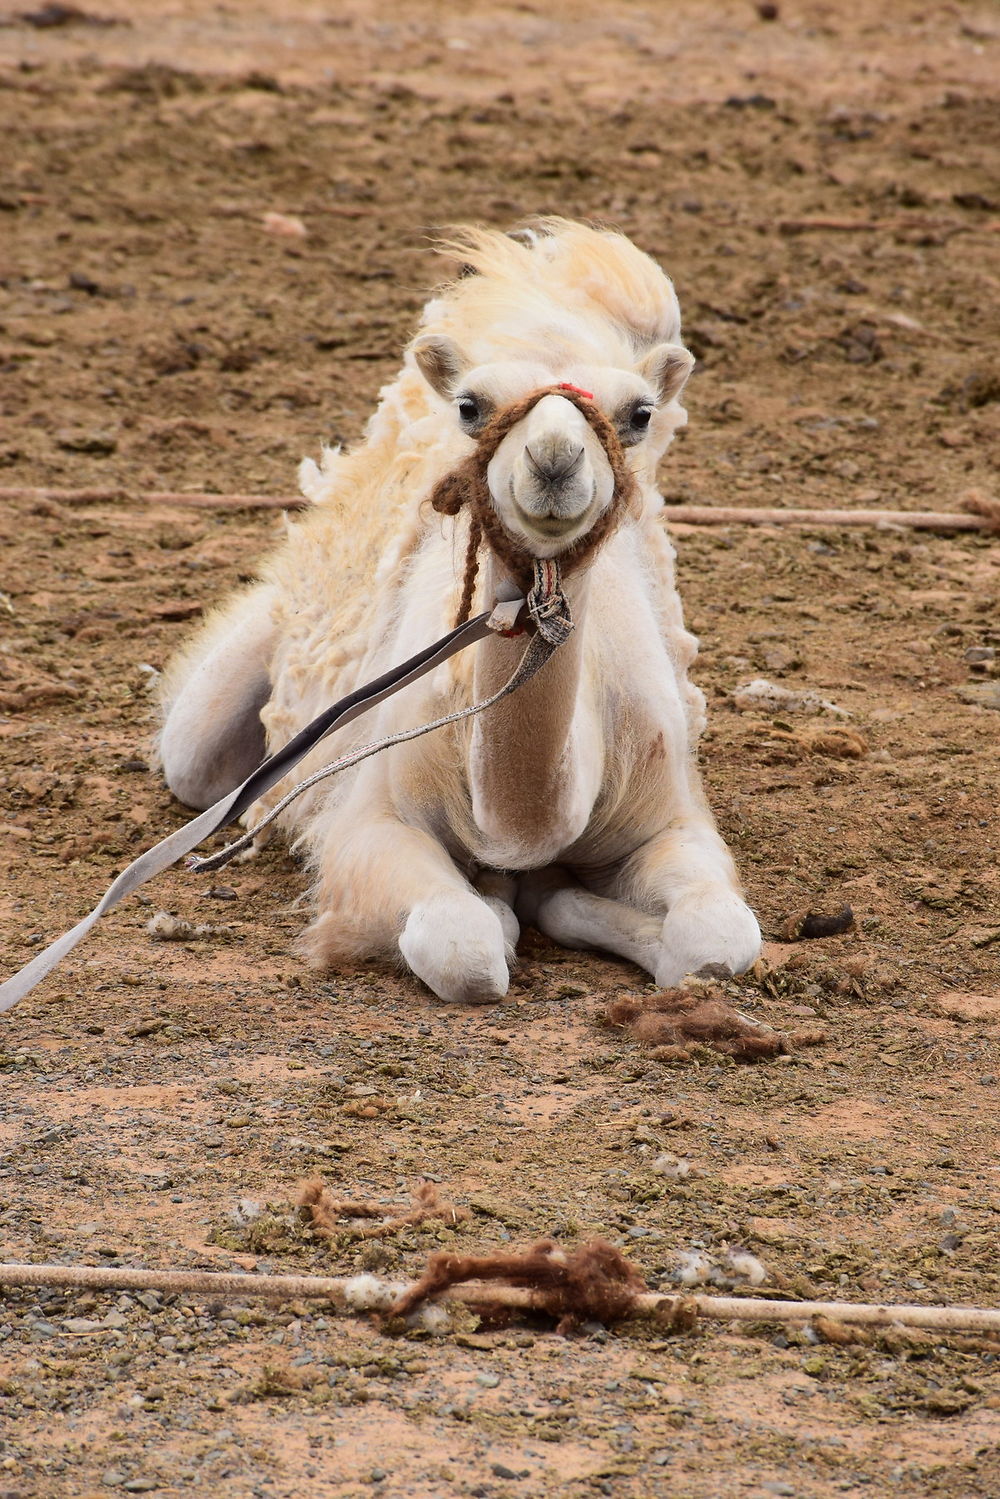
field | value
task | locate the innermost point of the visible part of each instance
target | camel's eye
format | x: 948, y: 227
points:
x: 632, y: 421
x: 470, y: 412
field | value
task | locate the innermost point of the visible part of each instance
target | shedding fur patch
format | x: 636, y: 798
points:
x: 166, y: 927
x: 594, y: 1283
x: 676, y: 1021
x: 366, y: 1293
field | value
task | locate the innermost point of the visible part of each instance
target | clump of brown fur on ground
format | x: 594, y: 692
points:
x: 331, y: 1217
x: 677, y: 1020
x: 594, y: 1283
x: 834, y: 740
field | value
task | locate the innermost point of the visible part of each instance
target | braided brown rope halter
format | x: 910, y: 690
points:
x: 467, y: 485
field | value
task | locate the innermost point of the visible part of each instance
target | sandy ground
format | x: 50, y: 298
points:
x: 154, y: 335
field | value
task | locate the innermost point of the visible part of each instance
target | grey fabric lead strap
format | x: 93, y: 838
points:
x: 533, y: 660
x: 167, y: 852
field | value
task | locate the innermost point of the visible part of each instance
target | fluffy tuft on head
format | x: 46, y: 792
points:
x: 576, y: 291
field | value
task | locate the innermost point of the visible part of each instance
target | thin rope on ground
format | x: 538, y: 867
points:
x: 978, y: 513
x: 343, y: 1292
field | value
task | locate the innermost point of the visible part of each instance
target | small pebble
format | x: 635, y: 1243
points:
x: 488, y: 1381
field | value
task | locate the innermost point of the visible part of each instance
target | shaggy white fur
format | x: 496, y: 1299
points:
x: 576, y: 804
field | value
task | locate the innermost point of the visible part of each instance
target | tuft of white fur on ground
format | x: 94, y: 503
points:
x: 693, y: 1268
x: 366, y: 1293
x: 733, y: 1268
x: 763, y: 696
x: 432, y: 1318
x: 672, y: 1166
x: 167, y: 928
x: 746, y: 1266
x: 245, y: 1211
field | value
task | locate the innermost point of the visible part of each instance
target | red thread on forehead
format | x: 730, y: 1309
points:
x: 588, y: 395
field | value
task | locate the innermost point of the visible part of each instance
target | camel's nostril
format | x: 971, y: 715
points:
x: 554, y: 464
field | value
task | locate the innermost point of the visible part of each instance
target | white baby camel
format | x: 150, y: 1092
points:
x: 574, y: 804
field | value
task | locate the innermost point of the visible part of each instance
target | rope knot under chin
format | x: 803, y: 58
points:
x: 547, y: 604
x: 467, y: 484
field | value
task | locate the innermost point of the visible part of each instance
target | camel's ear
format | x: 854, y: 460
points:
x: 441, y: 362
x: 666, y: 368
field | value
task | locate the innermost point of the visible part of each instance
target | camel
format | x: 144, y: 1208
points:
x: 574, y: 805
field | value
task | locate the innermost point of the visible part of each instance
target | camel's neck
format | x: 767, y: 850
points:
x: 534, y: 768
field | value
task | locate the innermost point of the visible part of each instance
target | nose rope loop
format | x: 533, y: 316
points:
x: 467, y: 485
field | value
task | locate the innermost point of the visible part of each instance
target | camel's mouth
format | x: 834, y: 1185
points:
x: 550, y: 521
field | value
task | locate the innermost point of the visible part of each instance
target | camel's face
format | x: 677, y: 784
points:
x: 550, y: 478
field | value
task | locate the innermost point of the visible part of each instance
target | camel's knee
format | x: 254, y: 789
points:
x: 456, y: 944
x: 212, y: 736
x: 574, y: 917
x: 205, y: 754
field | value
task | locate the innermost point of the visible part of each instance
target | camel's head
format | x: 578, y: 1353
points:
x: 550, y: 479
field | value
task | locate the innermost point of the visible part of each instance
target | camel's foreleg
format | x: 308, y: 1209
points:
x: 395, y: 886
x: 212, y: 737
x: 679, y: 908
x: 499, y: 891
x: 551, y: 900
x: 687, y: 872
